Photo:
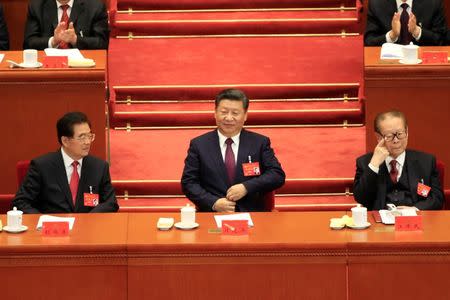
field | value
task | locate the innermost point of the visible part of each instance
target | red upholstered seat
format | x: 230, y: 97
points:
x: 227, y: 4
x: 441, y: 169
x: 22, y: 169
x: 447, y: 199
x: 5, y: 203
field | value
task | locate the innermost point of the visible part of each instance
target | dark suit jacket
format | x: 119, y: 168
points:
x: 88, y: 17
x: 4, y: 38
x: 430, y: 16
x: 45, y: 188
x: 369, y: 188
x: 205, y: 179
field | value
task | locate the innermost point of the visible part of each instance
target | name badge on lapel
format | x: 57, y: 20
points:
x: 251, y: 168
x: 423, y: 189
x: 90, y: 199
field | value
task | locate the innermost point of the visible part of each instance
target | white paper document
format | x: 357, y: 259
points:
x: 70, y: 53
x: 241, y: 216
x: 391, y: 51
x: 48, y: 218
x: 1, y: 57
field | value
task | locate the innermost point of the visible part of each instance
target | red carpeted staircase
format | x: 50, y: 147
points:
x: 300, y: 63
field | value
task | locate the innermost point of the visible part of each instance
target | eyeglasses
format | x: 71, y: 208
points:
x: 390, y: 137
x: 89, y: 137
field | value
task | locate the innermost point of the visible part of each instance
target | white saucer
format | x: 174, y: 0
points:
x: 37, y: 65
x: 359, y: 227
x: 71, y: 65
x: 418, y: 61
x: 180, y: 225
x: 337, y: 227
x: 15, y: 230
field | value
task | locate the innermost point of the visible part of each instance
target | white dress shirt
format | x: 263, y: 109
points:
x: 68, y: 165
x: 400, y: 10
x: 60, y: 13
x: 400, y: 163
x: 234, y: 146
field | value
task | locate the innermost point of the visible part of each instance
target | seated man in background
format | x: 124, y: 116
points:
x: 217, y: 175
x: 81, y: 24
x: 394, y: 174
x: 403, y: 21
x: 59, y: 182
x: 4, y: 38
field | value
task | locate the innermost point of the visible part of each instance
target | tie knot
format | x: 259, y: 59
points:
x: 75, y: 163
x: 393, y: 163
x: 64, y: 7
x: 229, y: 141
x: 404, y: 6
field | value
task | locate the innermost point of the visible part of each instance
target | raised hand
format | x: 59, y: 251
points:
x: 379, y: 154
x: 396, y: 26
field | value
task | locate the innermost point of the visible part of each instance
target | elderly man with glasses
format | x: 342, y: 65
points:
x: 394, y: 174
x: 68, y: 180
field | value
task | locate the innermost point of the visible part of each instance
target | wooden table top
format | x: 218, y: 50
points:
x: 277, y: 231
x: 42, y: 74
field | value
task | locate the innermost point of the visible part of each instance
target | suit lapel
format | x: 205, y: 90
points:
x: 413, y: 177
x: 382, y: 185
x: 77, y: 10
x: 50, y: 14
x: 244, y: 150
x: 83, y: 181
x: 391, y: 6
x: 217, y: 158
x: 61, y: 177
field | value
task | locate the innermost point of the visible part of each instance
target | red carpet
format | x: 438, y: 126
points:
x: 164, y: 77
x: 228, y: 4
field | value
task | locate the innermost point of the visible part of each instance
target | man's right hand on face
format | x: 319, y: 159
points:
x: 224, y: 205
x: 396, y: 26
x: 379, y: 154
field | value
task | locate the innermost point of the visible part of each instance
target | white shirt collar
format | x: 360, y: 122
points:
x: 70, y: 3
x: 68, y: 160
x: 400, y: 2
x: 400, y: 159
x: 223, y: 138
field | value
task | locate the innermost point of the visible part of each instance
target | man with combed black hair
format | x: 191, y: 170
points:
x: 231, y: 169
x: 394, y: 174
x: 68, y: 180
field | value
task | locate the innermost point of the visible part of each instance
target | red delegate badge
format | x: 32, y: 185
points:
x: 251, y: 169
x: 90, y: 199
x: 423, y: 190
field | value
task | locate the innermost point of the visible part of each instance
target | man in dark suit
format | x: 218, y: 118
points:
x: 68, y: 180
x: 425, y: 19
x: 4, y: 38
x: 81, y: 24
x: 230, y: 169
x: 394, y: 174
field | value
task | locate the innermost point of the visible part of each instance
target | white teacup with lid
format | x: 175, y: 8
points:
x: 188, y: 215
x: 410, y: 54
x: 359, y: 215
x: 30, y: 57
x: 14, y: 219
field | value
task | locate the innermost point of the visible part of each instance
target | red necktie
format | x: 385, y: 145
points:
x: 230, y: 163
x: 405, y: 37
x: 74, y: 180
x: 394, y: 171
x: 64, y: 18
